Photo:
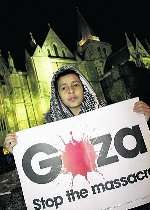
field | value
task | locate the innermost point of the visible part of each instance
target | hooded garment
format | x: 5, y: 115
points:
x: 58, y: 110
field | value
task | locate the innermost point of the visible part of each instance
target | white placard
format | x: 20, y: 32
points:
x: 97, y: 160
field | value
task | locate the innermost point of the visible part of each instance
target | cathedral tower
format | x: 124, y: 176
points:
x: 93, y: 53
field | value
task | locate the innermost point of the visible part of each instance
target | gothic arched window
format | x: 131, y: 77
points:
x: 63, y: 52
x: 99, y: 49
x: 55, y: 50
x: 104, y: 51
x: 49, y: 53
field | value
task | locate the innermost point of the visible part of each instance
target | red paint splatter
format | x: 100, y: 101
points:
x: 79, y: 157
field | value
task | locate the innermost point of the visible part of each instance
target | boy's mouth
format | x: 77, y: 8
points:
x: 72, y: 98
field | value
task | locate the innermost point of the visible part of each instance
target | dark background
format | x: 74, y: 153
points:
x: 109, y: 19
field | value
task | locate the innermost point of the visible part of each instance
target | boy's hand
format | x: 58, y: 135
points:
x: 142, y: 107
x: 10, y: 142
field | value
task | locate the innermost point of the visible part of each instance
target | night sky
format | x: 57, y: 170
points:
x: 109, y: 19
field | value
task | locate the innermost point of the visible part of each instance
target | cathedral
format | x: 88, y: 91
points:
x: 25, y: 95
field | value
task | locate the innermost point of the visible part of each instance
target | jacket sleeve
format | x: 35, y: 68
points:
x: 7, y: 162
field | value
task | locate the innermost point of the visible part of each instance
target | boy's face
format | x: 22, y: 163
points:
x: 70, y: 90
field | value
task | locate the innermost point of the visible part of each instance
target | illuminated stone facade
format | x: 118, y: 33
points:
x: 25, y: 96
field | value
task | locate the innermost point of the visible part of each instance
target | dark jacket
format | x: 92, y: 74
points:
x: 7, y: 162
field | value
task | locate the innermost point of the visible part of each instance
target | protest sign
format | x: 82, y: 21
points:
x: 97, y: 160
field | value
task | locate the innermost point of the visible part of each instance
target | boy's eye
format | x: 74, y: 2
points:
x: 76, y: 84
x: 63, y: 88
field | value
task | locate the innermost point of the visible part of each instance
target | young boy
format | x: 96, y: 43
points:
x: 71, y: 95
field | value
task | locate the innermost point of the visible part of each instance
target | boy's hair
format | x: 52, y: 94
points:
x: 64, y: 73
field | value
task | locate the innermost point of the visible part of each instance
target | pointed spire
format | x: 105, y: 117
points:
x: 49, y: 25
x: 138, y: 52
x: 32, y: 42
x: 130, y: 47
x: 84, y: 31
x: 11, y: 62
x: 140, y: 48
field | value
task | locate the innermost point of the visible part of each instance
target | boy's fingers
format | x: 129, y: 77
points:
x: 11, y: 135
x: 141, y: 106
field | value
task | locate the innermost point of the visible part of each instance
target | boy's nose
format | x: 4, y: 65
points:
x: 70, y: 89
